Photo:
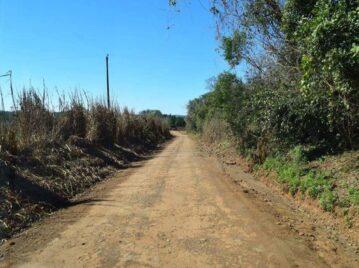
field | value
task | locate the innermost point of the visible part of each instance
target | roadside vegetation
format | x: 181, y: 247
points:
x: 296, y: 113
x: 48, y: 156
x: 174, y: 121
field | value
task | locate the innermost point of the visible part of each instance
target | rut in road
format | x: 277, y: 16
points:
x: 173, y: 211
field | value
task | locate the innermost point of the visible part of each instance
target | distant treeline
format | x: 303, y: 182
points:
x: 5, y: 115
x: 175, y: 121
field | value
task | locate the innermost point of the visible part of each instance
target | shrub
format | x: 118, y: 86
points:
x: 297, y: 154
x: 302, y: 89
x: 326, y: 34
x: 327, y: 200
x: 288, y: 173
x: 145, y: 128
x: 315, y: 184
x: 215, y: 129
x: 272, y: 163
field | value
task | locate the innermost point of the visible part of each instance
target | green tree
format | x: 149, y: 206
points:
x: 327, y: 34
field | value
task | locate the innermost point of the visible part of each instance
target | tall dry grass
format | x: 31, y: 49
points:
x: 48, y: 155
x: 35, y: 123
x: 215, y: 130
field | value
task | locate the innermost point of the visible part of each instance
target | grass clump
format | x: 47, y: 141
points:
x: 328, y: 200
x: 298, y: 154
x: 33, y: 122
x: 295, y: 178
x: 354, y: 196
x: 74, y: 121
x: 315, y: 183
x: 102, y: 124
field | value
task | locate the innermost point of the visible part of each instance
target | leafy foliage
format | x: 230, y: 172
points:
x: 301, y: 94
x: 233, y: 48
x: 354, y: 196
x: 328, y: 39
x: 304, y: 90
x: 295, y: 179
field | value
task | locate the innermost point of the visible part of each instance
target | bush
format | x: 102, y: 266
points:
x: 302, y: 91
x: 215, y: 130
x: 300, y: 97
x: 327, y: 200
x: 297, y: 154
x: 288, y: 173
x: 326, y: 33
x: 315, y: 184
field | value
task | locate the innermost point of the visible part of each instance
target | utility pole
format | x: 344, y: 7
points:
x: 9, y: 73
x: 108, y: 83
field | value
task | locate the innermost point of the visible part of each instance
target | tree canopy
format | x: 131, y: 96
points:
x: 302, y: 86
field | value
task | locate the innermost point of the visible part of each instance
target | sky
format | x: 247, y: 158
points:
x: 159, y: 58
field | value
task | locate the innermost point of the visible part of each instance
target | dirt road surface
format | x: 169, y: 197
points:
x: 177, y: 209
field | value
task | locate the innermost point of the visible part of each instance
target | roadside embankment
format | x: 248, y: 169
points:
x: 340, y: 221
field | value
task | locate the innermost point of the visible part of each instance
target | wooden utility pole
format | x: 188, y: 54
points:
x: 108, y: 83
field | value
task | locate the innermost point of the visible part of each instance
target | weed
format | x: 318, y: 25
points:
x: 272, y: 163
x: 75, y: 120
x: 354, y: 196
x: 288, y: 173
x: 102, y: 124
x: 297, y: 154
x: 293, y: 175
x: 327, y: 200
x: 344, y: 203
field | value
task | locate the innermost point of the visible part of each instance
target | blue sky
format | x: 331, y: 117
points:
x: 151, y: 67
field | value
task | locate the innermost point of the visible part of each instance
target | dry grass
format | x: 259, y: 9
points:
x: 34, y: 123
x: 215, y: 130
x: 47, y: 157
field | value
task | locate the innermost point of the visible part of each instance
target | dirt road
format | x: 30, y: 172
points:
x: 175, y: 210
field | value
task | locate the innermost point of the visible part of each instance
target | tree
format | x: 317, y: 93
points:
x: 303, y: 86
x: 327, y: 35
